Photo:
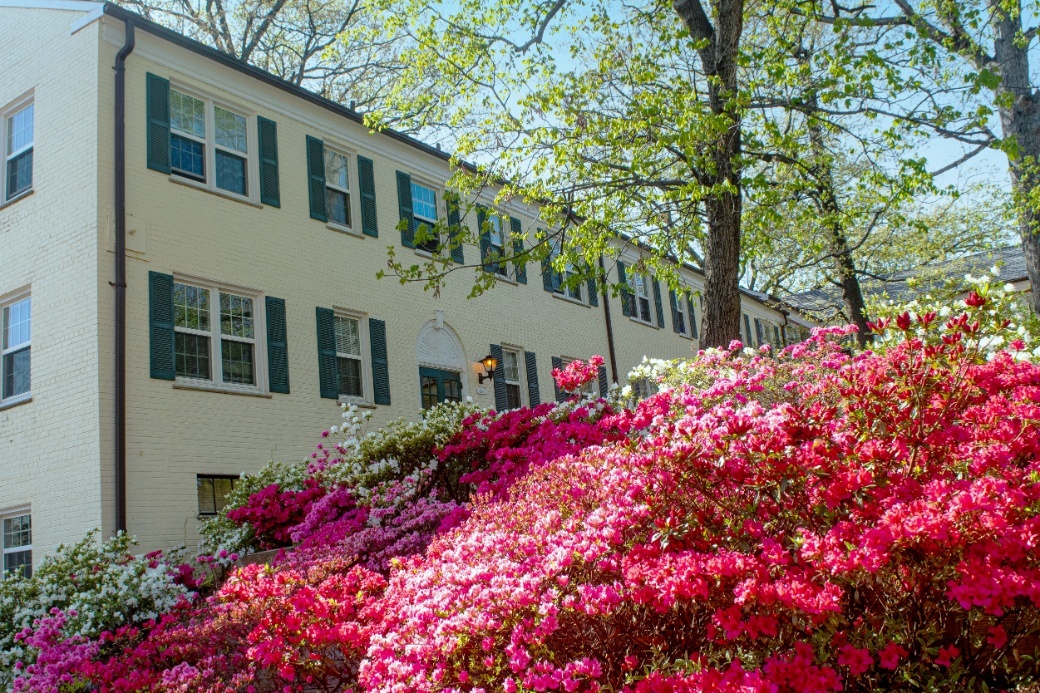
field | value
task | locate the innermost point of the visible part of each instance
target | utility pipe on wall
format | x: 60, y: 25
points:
x: 120, y: 281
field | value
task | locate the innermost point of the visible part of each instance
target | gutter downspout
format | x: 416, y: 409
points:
x: 610, y: 326
x: 120, y: 281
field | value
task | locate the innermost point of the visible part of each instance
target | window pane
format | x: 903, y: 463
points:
x: 17, y: 531
x: 336, y: 170
x: 338, y: 205
x: 186, y: 157
x: 191, y: 307
x: 349, y: 377
x: 230, y: 129
x: 452, y: 390
x: 236, y: 316
x: 221, y: 488
x: 644, y: 309
x: 191, y: 356
x: 496, y: 231
x: 207, y: 503
x: 17, y: 322
x: 680, y: 320
x: 348, y: 338
x: 513, y: 396
x: 16, y: 373
x: 431, y: 241
x: 237, y: 359
x: 509, y: 366
x: 18, y: 563
x: 428, y: 385
x: 20, y: 129
x: 19, y: 173
x: 187, y: 114
x: 231, y: 173
x: 424, y: 202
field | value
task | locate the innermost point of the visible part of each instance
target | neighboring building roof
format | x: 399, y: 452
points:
x: 897, y: 286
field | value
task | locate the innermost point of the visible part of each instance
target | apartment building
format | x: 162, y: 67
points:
x: 188, y: 259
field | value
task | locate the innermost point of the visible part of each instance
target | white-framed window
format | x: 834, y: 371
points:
x: 682, y: 315
x: 641, y: 293
x: 216, y: 335
x: 424, y: 208
x: 497, y: 243
x: 337, y: 188
x: 17, y: 130
x: 210, y: 143
x: 15, y: 347
x: 353, y: 366
x: 16, y: 541
x: 511, y: 376
x: 561, y: 280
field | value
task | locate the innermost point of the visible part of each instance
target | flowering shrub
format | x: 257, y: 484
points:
x: 873, y: 525
x: 1006, y: 319
x: 804, y: 521
x: 75, y: 595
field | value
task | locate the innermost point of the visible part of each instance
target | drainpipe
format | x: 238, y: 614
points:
x: 120, y: 281
x: 610, y: 326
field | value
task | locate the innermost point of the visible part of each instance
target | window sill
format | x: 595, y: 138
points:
x: 17, y: 198
x: 343, y: 229
x: 569, y: 299
x: 643, y: 323
x: 213, y: 191
x: 223, y: 389
x: 357, y: 403
x: 423, y: 253
x: 15, y: 401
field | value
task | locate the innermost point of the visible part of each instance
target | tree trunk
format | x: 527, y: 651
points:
x: 718, y: 58
x: 1020, y: 119
x: 837, y: 243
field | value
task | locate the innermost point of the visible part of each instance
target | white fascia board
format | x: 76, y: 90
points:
x: 74, y: 5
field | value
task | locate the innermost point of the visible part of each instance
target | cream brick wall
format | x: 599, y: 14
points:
x: 49, y: 448
x: 176, y: 433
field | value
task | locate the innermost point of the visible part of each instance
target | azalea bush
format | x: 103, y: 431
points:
x: 808, y: 520
x: 78, y: 593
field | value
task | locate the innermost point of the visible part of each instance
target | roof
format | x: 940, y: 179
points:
x: 1009, y: 259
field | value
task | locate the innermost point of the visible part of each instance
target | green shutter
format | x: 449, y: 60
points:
x: 593, y: 287
x: 160, y: 317
x: 658, y: 303
x: 516, y: 233
x: 547, y: 272
x: 501, y: 397
x: 267, y: 132
x: 674, y: 304
x: 328, y: 377
x: 316, y: 178
x: 367, y: 186
x: 277, y: 345
x: 455, y: 234
x: 158, y: 106
x: 747, y: 331
x: 485, y: 239
x: 380, y: 365
x: 532, y: 378
x: 628, y: 303
x: 694, y: 331
x: 557, y: 364
x: 604, y: 384
x: 404, y: 204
